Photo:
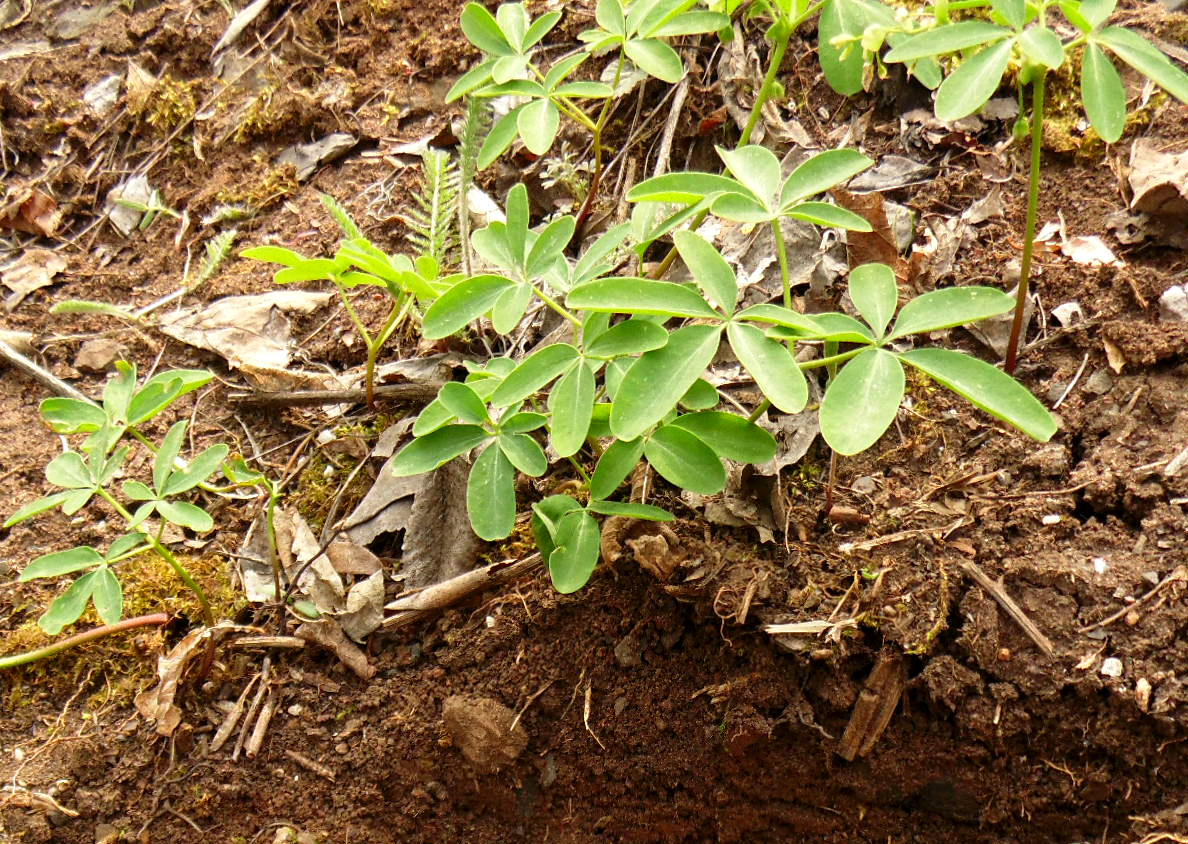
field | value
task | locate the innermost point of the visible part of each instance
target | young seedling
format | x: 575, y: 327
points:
x: 1018, y: 35
x: 91, y: 471
x: 359, y: 263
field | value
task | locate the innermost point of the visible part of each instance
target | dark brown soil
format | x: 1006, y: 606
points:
x: 651, y: 712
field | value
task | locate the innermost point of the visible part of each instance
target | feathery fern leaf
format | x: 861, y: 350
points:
x: 432, y: 221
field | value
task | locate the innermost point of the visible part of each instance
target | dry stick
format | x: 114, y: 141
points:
x: 232, y: 719
x: 309, y: 764
x: 265, y: 671
x: 396, y: 392
x: 51, y: 382
x: 1007, y: 603
x: 252, y: 748
x: 414, y: 606
x: 1179, y: 573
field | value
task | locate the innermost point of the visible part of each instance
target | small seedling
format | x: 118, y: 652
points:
x: 91, y: 472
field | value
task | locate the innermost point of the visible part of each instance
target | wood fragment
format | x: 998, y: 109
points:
x: 414, y: 606
x: 262, y: 721
x: 310, y: 765
x: 875, y: 705
x: 998, y: 593
x: 268, y: 642
x: 228, y: 726
x: 291, y: 398
x: 265, y: 672
x: 586, y: 715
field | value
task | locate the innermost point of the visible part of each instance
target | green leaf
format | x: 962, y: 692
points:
x: 821, y: 172
x: 72, y: 416
x: 875, y: 294
x: 538, y: 123
x: 311, y: 269
x: 756, y: 168
x: 142, y: 512
x: 701, y: 395
x: 39, y: 506
x: 185, y: 514
x: 729, y: 435
x: 772, y: 366
x: 168, y: 451
x: 1042, y: 46
x: 829, y: 216
x: 68, y: 606
x: 682, y: 188
x: 657, y: 380
x: 476, y: 77
x: 609, y: 15
x: 640, y: 296
x: 274, y: 255
x: 655, y: 58
x: 1097, y: 12
x: 546, y: 514
x: 550, y: 245
x: 631, y: 510
x: 482, y: 30
x: 539, y: 29
x: 946, y: 39
x: 127, y: 542
x: 499, y: 138
x: 516, y: 235
x: 630, y: 337
x: 70, y: 471
x: 1072, y: 11
x: 572, y: 403
x: 968, y: 88
x: 138, y: 491
x: 861, y: 401
x: 741, y: 208
x: 117, y: 393
x: 533, y: 373
x: 709, y: 268
x: 163, y: 389
x: 521, y: 423
x: 424, y: 454
x: 461, y: 304
x: 510, y: 307
x: 1013, y: 11
x: 524, y: 453
x: 682, y: 459
x: 513, y: 22
x: 463, y: 402
x: 986, y: 387
x: 1146, y: 58
x: 108, y: 596
x: 200, y: 468
x: 62, y: 562
x: 616, y: 463
x: 691, y: 23
x: 1103, y: 94
x: 491, y: 495
x: 573, y: 559
x: 779, y: 315
x: 841, y: 20
x: 949, y: 307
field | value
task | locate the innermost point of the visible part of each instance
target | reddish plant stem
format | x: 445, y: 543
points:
x: 155, y: 620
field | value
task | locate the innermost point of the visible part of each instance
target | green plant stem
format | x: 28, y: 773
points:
x: 781, y: 33
x: 1037, y: 142
x: 155, y: 620
x: 777, y: 234
x: 757, y: 412
x: 556, y: 306
x: 353, y: 314
x: 833, y: 360
x: 395, y: 316
x: 166, y: 555
x: 577, y: 465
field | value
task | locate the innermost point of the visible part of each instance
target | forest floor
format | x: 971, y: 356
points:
x: 648, y: 711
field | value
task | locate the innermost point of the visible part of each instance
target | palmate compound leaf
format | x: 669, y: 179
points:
x: 861, y: 401
x: 986, y: 387
x: 491, y: 494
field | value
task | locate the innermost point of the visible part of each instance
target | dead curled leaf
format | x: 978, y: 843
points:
x: 31, y: 211
x: 655, y: 546
x: 35, y: 269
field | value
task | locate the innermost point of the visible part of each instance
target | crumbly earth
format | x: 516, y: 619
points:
x: 646, y: 711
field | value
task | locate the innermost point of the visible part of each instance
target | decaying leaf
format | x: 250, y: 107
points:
x: 364, y: 610
x: 877, y: 246
x: 35, y: 269
x: 327, y: 633
x: 1159, y: 180
x: 439, y: 543
x: 319, y: 581
x: 249, y: 331
x: 307, y: 157
x: 31, y: 211
x: 157, y: 704
x: 386, y: 508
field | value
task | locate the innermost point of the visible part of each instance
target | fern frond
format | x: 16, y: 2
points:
x: 475, y: 126
x: 217, y: 250
x: 349, y: 229
x: 431, y: 220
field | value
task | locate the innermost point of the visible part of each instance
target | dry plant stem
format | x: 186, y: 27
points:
x: 1037, y: 138
x: 410, y: 392
x: 155, y: 620
x: 413, y: 607
x: 51, y: 382
x: 1009, y: 606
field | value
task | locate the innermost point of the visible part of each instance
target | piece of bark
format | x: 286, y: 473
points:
x: 875, y: 705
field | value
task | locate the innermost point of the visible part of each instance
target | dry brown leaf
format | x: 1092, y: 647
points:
x: 877, y: 246
x: 438, y: 543
x: 35, y: 269
x: 328, y: 634
x: 1114, y: 356
x: 31, y: 211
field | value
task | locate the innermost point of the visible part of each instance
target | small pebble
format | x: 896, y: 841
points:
x: 1100, y: 565
x: 1111, y: 667
x: 1051, y: 519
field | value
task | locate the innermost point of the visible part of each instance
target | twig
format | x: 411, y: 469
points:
x: 414, y: 606
x: 309, y: 764
x: 586, y: 715
x: 47, y: 379
x: 396, y: 392
x: 262, y: 721
x: 265, y: 670
x: 228, y: 725
x: 267, y: 642
x: 1009, y: 606
x: 1180, y: 573
x: 528, y: 703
